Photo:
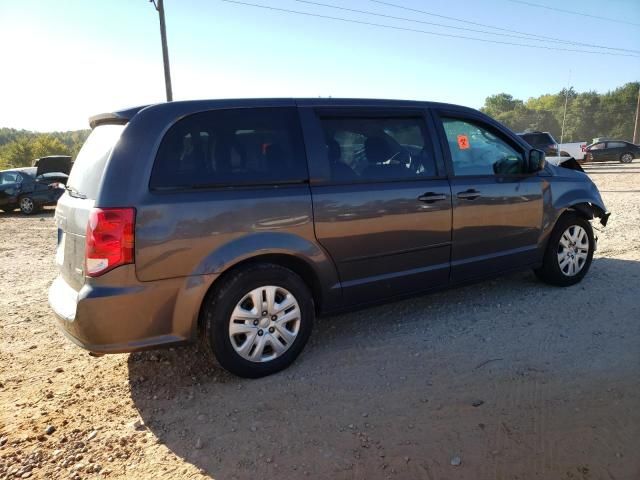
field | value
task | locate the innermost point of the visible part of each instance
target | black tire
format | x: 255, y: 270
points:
x: 626, y: 157
x: 27, y: 205
x: 221, y: 303
x: 550, y: 272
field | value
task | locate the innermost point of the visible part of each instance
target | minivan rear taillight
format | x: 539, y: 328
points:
x: 110, y: 239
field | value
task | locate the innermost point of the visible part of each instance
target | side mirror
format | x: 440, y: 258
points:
x: 536, y: 161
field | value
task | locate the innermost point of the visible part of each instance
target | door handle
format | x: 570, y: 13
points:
x: 470, y: 194
x: 431, y: 197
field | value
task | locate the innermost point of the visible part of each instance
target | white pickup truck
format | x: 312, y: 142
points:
x: 576, y: 150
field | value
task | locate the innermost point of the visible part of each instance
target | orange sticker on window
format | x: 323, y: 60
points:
x: 463, y: 142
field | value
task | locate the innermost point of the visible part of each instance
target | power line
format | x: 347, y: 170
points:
x: 406, y: 29
x: 572, y: 12
x: 520, y: 35
x: 469, y: 22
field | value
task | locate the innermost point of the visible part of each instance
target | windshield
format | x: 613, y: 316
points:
x: 89, y: 165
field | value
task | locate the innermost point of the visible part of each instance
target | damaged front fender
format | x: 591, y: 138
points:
x: 576, y: 191
x: 591, y: 211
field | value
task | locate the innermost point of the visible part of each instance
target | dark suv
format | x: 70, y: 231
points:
x: 542, y: 141
x: 239, y: 221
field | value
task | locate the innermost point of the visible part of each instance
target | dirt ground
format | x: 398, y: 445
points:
x: 509, y: 379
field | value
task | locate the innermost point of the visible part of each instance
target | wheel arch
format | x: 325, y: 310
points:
x: 585, y: 200
x: 586, y: 210
x: 302, y: 267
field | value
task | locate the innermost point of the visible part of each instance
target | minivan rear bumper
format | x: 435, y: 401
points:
x: 104, y: 318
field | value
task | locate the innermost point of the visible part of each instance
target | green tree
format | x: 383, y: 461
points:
x: 44, y: 145
x: 18, y: 153
x: 24, y: 149
x: 589, y: 114
x: 500, y: 103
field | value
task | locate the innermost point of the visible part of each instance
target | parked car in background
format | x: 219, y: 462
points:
x: 575, y: 150
x: 237, y: 221
x: 544, y: 141
x: 31, y: 188
x: 612, y: 150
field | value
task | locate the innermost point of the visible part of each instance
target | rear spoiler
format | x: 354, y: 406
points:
x: 121, y: 117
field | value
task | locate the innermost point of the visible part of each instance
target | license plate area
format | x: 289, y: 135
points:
x: 60, y: 248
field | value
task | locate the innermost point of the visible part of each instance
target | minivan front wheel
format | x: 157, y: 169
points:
x: 569, y: 252
x: 259, y: 320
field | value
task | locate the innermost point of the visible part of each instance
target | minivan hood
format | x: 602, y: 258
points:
x: 53, y: 163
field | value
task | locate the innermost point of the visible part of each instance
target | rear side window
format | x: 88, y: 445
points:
x: 538, y: 139
x: 616, y: 145
x: 377, y: 149
x: 89, y: 166
x: 249, y: 146
x: 9, y: 177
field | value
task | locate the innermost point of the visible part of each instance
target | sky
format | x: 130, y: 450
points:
x: 63, y: 61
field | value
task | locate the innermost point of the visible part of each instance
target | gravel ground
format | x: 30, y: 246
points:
x: 509, y: 379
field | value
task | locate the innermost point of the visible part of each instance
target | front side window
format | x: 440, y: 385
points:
x: 377, y: 149
x: 477, y: 151
x: 597, y: 146
x: 245, y: 146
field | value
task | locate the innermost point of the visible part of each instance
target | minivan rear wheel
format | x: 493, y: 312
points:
x: 259, y: 320
x: 569, y: 251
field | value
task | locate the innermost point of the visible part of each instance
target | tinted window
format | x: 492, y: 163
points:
x: 537, y: 139
x: 597, y: 146
x: 475, y: 150
x: 616, y: 145
x: 231, y: 147
x: 377, y: 149
x: 89, y: 166
x: 9, y: 177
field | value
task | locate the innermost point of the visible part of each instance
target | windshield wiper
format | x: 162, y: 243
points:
x: 74, y: 193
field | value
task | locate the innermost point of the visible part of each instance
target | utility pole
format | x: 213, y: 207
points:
x: 635, y: 126
x: 564, y: 115
x: 165, y: 50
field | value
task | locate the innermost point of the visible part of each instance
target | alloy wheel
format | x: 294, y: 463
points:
x: 264, y: 323
x: 573, y: 250
x: 626, y: 158
x: 26, y: 205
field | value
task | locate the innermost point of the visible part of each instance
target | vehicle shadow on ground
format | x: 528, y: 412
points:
x: 383, y: 366
x: 44, y: 213
x: 610, y: 168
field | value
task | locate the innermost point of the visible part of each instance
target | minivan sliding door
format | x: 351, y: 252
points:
x: 382, y: 205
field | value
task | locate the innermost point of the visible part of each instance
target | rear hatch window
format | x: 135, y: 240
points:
x: 538, y: 139
x: 88, y: 168
x: 72, y: 212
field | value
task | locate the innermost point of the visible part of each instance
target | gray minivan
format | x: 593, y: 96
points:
x: 238, y: 221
